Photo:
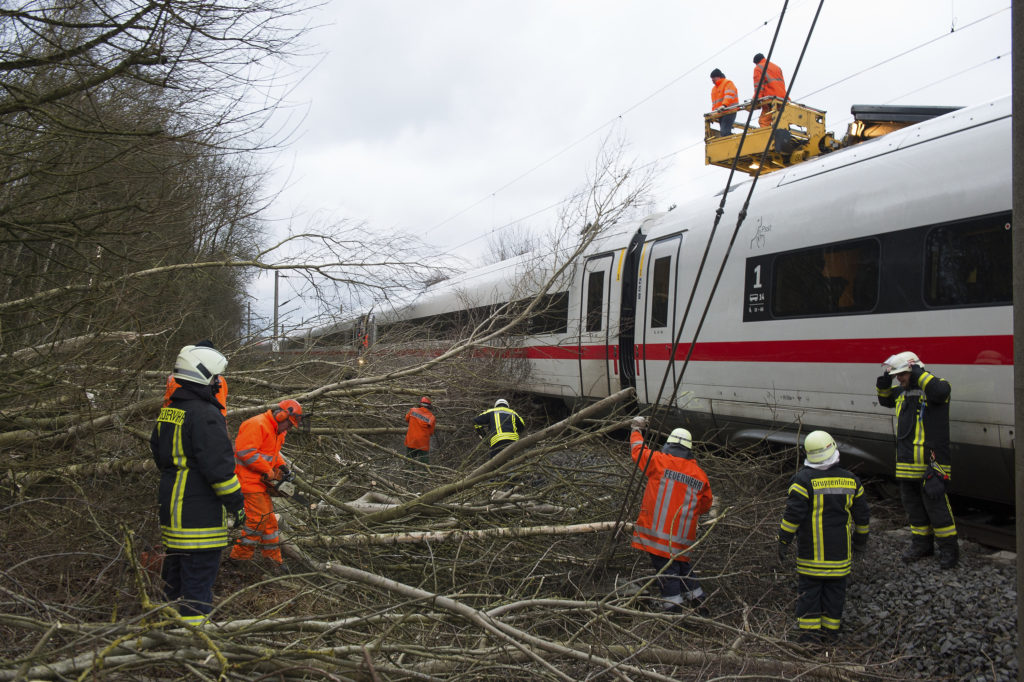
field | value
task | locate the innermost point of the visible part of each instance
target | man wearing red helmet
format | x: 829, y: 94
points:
x: 258, y: 461
x: 421, y: 427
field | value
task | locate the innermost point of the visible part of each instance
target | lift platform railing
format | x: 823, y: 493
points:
x: 799, y: 135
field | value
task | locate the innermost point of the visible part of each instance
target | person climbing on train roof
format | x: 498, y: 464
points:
x: 723, y: 96
x: 774, y: 86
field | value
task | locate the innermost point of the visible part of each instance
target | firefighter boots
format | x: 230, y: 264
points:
x: 920, y: 547
x: 949, y: 553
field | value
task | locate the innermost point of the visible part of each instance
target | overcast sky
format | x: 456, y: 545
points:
x: 449, y: 119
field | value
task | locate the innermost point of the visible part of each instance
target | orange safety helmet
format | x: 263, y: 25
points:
x: 289, y: 409
x: 425, y: 401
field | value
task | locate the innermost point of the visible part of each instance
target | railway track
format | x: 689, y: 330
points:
x: 982, y: 529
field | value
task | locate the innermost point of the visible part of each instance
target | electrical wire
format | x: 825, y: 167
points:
x: 599, y: 128
x: 697, y: 143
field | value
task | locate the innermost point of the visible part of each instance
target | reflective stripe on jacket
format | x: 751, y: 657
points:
x: 922, y: 423
x: 677, y: 493
x: 723, y: 94
x: 774, y: 84
x: 823, y: 509
x: 192, y: 450
x: 421, y: 428
x: 499, y: 424
x: 258, y: 451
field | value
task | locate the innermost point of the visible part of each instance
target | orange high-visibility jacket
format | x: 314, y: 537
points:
x: 774, y: 85
x: 221, y: 396
x: 421, y: 428
x: 678, y: 491
x: 723, y: 94
x: 258, y: 451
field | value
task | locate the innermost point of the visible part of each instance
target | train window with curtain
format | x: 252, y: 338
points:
x: 833, y: 279
x: 595, y: 300
x: 969, y: 263
x: 660, y: 281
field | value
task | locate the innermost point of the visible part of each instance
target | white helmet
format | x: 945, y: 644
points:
x: 819, y: 446
x: 501, y: 402
x: 901, y: 362
x: 681, y: 436
x: 199, y: 364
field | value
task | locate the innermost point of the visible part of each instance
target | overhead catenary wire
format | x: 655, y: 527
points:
x: 598, y: 129
x: 450, y: 250
x: 635, y: 481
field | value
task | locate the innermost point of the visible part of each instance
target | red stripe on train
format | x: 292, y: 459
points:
x: 941, y: 350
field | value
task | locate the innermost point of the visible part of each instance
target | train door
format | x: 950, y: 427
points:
x: 656, y: 318
x: 598, y: 342
x: 627, y: 271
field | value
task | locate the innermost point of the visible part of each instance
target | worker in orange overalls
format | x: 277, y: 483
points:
x: 258, y: 462
x: 723, y: 96
x: 774, y: 86
x: 219, y: 386
x: 421, y: 427
x: 677, y: 493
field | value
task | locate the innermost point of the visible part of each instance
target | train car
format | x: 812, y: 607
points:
x: 899, y: 243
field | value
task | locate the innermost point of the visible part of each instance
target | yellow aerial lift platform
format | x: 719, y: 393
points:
x: 799, y: 135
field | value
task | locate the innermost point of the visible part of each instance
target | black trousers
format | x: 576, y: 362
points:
x: 819, y: 602
x: 417, y: 454
x: 725, y: 124
x: 676, y: 576
x: 189, y: 576
x: 928, y: 516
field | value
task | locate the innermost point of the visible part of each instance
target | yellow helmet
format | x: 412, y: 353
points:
x: 681, y: 436
x: 819, y: 446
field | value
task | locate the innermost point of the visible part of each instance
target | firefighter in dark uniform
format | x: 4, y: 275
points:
x: 500, y: 426
x: 823, y: 498
x: 199, y: 492
x: 923, y: 463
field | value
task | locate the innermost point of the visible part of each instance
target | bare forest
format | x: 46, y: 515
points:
x: 131, y: 218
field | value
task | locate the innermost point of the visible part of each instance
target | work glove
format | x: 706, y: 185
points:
x: 638, y: 423
x: 934, y: 483
x: 860, y: 544
x: 884, y: 381
x: 285, y: 473
x: 783, y: 549
x: 915, y: 375
x: 236, y: 518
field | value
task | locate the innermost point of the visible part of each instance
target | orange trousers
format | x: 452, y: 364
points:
x: 260, y: 529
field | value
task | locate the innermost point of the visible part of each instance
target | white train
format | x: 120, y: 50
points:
x: 898, y: 243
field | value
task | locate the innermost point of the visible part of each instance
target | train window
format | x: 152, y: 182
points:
x: 969, y: 263
x: 552, y: 316
x: 595, y: 300
x: 826, y: 280
x: 659, y: 294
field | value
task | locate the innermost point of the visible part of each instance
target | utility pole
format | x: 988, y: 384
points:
x: 275, y: 344
x: 1017, y: 147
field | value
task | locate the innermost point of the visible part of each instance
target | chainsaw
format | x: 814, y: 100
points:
x: 285, y: 487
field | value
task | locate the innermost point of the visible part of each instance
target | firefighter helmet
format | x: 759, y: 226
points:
x: 819, y: 446
x: 501, y: 402
x: 901, y: 362
x: 289, y: 409
x: 680, y: 436
x: 199, y: 364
